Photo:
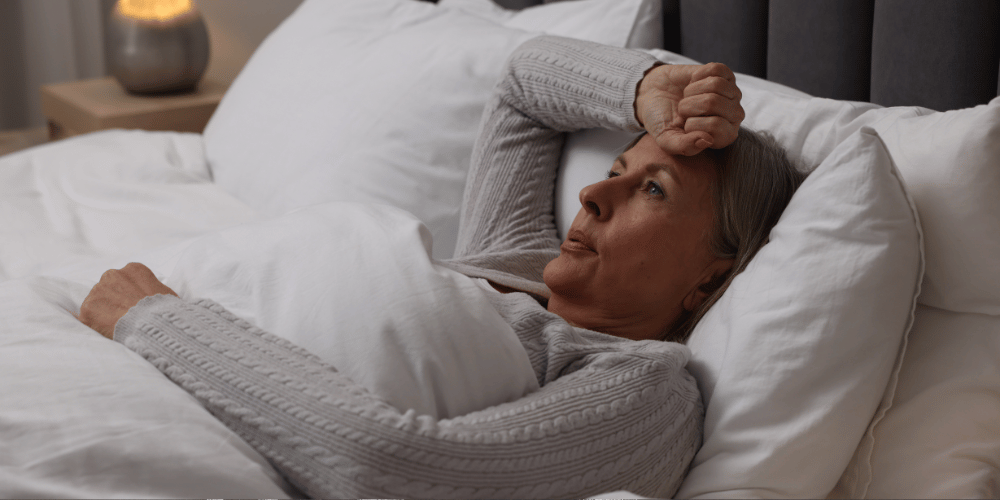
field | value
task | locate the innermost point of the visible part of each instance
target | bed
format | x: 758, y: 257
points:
x: 858, y: 356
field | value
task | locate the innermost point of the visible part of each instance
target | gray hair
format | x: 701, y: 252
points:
x: 754, y: 183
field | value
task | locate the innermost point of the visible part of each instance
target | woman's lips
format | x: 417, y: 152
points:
x: 577, y: 241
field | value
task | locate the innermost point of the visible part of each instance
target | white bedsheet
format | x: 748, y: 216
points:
x: 85, y: 417
x: 106, y: 195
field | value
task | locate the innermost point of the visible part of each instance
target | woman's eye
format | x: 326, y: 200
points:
x: 654, y: 189
x: 612, y: 173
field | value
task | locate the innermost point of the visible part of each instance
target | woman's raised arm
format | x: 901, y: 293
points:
x: 551, y: 85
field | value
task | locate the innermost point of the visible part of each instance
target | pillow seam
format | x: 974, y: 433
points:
x: 861, y: 491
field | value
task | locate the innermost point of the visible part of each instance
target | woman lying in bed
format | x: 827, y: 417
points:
x: 682, y: 211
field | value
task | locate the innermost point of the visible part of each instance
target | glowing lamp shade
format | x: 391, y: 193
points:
x: 157, y: 46
x: 152, y: 10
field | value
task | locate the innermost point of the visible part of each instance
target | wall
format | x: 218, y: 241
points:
x: 237, y: 27
x: 45, y: 41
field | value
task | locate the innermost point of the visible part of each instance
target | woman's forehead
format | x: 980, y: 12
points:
x: 646, y: 153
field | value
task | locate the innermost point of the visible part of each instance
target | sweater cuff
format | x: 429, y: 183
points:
x: 632, y: 89
x: 642, y: 64
x: 128, y: 324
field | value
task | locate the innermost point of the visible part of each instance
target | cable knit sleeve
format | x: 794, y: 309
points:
x: 550, y: 86
x: 611, y: 420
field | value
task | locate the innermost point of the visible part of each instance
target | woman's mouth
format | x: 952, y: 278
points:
x: 577, y: 241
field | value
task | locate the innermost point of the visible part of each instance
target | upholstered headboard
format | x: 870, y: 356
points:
x: 940, y: 54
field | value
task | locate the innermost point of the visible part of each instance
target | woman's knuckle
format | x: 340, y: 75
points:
x: 707, y: 104
x: 717, y: 68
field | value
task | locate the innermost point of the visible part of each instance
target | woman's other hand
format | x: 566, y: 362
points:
x: 687, y: 108
x: 116, y: 293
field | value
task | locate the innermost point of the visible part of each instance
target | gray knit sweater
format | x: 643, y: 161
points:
x: 611, y: 414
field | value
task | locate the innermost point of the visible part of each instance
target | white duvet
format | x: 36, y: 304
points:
x: 85, y: 417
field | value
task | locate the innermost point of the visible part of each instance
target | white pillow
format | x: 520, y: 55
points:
x: 563, y: 19
x: 941, y: 438
x: 586, y: 158
x: 951, y: 163
x: 948, y: 160
x: 376, y: 100
x: 352, y: 284
x: 795, y: 357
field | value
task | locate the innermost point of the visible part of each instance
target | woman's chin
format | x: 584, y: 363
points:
x: 566, y: 276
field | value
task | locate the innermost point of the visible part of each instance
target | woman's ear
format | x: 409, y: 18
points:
x: 710, y: 280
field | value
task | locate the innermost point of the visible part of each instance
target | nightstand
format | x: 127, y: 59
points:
x: 83, y: 106
x: 12, y: 141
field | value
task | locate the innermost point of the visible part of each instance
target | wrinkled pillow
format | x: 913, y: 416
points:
x: 377, y: 101
x: 797, y: 354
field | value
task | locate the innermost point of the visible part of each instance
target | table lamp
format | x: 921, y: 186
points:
x: 157, y: 46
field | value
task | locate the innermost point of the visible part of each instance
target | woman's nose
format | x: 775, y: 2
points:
x: 597, y: 199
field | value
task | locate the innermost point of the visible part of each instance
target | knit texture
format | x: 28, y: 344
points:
x: 611, y: 414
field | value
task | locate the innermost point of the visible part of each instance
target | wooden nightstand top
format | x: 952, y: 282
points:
x: 89, y: 105
x: 12, y: 141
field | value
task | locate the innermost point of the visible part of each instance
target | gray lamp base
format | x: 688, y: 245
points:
x: 157, y: 57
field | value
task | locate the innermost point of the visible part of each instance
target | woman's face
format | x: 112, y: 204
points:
x: 640, y: 246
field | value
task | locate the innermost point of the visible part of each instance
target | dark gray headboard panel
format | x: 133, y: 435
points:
x: 824, y: 46
x: 941, y: 54
x: 734, y: 33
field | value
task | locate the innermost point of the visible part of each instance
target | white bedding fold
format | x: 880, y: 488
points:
x: 106, y: 195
